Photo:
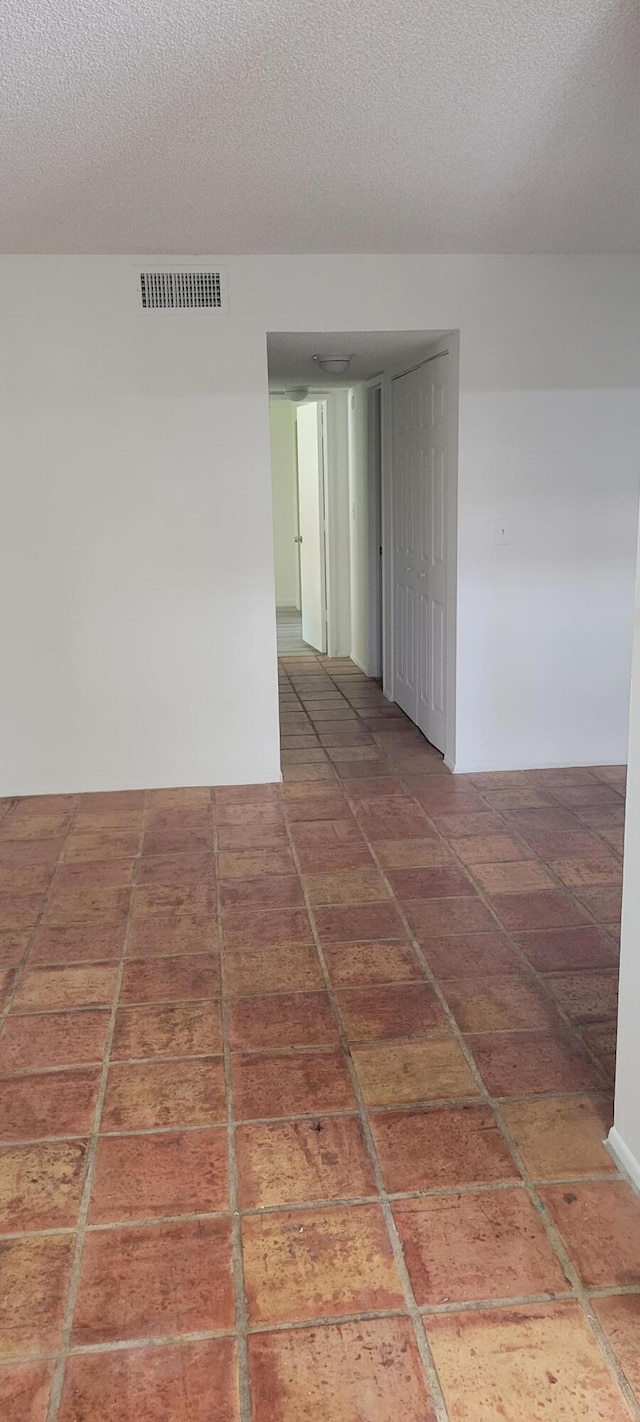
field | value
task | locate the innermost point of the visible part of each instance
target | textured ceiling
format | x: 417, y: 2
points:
x: 319, y: 126
x: 291, y: 354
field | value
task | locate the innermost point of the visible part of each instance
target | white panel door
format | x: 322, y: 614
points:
x: 310, y: 440
x: 432, y: 546
x: 420, y: 464
x: 405, y: 562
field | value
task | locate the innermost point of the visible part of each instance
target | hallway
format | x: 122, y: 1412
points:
x: 304, y: 1088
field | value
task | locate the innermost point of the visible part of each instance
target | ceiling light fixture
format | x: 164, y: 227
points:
x: 298, y: 393
x: 333, y: 364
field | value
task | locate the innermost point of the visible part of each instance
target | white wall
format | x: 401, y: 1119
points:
x: 625, y: 1136
x: 284, y: 491
x: 136, y: 563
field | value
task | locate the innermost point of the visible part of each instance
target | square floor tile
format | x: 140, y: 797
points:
x: 604, y: 904
x: 253, y: 836
x: 192, y: 1382
x: 58, y: 1103
x: 173, y: 935
x: 424, y: 853
x: 620, y: 1317
x: 601, y: 869
x: 171, y: 979
x: 446, y: 881
x: 513, y: 877
x: 281, y: 1084
x: 282, y: 891
x: 464, y: 1248
x: 599, y: 1222
x: 328, y: 859
x: 255, y: 863
x: 461, y: 955
x: 90, y: 906
x: 288, y: 1162
x: 177, y: 870
x: 180, y: 1029
x: 352, y: 922
x: 491, y: 849
x: 44, y: 989
x: 438, y: 916
x: 566, y: 949
x: 153, y: 1281
x: 397, y: 1010
x: 74, y: 943
x: 250, y: 972
x: 100, y: 847
x: 53, y: 1039
x: 441, y: 1146
x: 318, y: 1264
x: 587, y: 997
x: 253, y: 928
x: 25, y: 1390
x: 360, y: 963
x: 168, y: 1093
x: 20, y: 910
x: 520, y: 1363
x: 313, y: 1374
x: 25, y: 878
x: 34, y: 1278
x: 301, y: 1019
x: 526, y: 1063
x: 162, y: 900
x: 554, y: 909
x: 13, y: 946
x: 561, y: 1136
x: 396, y: 1074
x: 380, y: 823
x: 489, y: 1004
x: 169, y: 1173
x: 41, y: 1185
x: 346, y: 886
x: 98, y: 874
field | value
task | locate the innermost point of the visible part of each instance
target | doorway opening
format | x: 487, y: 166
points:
x: 364, y: 471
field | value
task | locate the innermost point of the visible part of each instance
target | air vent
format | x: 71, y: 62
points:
x: 181, y: 291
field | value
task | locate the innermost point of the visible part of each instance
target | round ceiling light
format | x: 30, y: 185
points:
x: 299, y: 393
x: 333, y: 364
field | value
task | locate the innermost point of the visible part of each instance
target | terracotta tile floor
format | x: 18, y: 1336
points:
x: 303, y: 1091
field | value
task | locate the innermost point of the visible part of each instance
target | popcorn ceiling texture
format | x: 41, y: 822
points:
x: 297, y: 126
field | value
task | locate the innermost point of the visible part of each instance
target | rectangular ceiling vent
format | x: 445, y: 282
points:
x: 182, y: 291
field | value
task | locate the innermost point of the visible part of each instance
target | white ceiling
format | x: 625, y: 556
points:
x: 319, y: 126
x: 291, y: 355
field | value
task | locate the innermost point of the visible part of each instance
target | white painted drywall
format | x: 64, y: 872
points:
x: 284, y: 491
x: 625, y: 1135
x: 136, y: 564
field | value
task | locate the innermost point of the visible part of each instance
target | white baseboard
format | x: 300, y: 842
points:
x: 624, y: 1157
x: 450, y: 764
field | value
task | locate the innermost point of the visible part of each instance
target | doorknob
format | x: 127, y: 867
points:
x: 298, y: 539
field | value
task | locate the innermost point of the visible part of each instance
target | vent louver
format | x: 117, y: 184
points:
x: 181, y: 291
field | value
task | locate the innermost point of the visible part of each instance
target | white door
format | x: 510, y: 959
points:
x: 311, y: 512
x: 405, y: 569
x: 422, y: 460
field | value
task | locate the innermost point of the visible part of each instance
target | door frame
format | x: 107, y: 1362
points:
x: 449, y: 344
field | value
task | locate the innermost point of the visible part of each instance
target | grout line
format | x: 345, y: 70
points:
x: 428, y: 1363
x: 244, y: 1377
x: 74, y: 1280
